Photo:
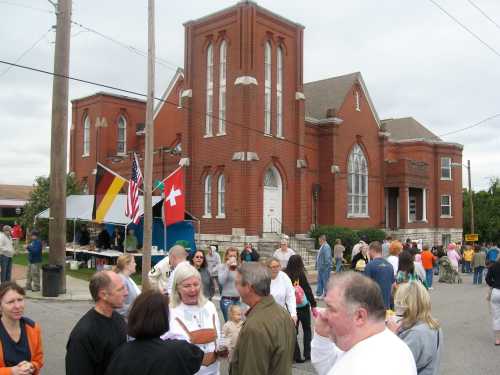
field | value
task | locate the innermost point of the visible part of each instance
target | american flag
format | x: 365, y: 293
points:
x: 132, y: 208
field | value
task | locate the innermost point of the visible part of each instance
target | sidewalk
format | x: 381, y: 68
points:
x: 76, y: 289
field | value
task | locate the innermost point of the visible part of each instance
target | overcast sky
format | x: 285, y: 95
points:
x: 415, y: 61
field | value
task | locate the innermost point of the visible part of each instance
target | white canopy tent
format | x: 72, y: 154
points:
x: 79, y: 207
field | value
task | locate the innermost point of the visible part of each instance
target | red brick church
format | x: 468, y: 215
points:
x: 265, y: 152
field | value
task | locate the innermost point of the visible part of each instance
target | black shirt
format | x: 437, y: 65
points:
x: 103, y: 240
x: 15, y: 352
x: 156, y: 357
x: 92, y: 343
x: 493, y: 276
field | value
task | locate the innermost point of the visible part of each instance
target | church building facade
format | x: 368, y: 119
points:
x: 265, y: 153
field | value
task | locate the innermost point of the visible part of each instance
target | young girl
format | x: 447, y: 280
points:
x: 232, y: 327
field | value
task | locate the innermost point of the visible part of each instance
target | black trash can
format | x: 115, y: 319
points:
x: 51, y: 280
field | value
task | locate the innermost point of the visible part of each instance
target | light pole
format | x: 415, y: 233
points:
x: 471, y: 201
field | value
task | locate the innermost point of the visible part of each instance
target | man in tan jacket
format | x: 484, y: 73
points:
x: 267, y: 339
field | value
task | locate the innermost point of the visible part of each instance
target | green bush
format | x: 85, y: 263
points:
x: 348, y: 236
x: 8, y: 221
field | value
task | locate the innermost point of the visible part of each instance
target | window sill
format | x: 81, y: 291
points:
x: 121, y: 154
x: 85, y: 155
x: 352, y: 216
x: 268, y: 135
x: 208, y: 136
x: 358, y: 110
x: 446, y: 217
x: 280, y: 137
x: 220, y: 134
x: 222, y: 216
x: 446, y: 179
x: 206, y: 216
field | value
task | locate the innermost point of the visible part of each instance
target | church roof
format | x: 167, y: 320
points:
x: 407, y: 128
x: 327, y: 94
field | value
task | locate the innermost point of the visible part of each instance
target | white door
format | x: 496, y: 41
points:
x: 273, y: 195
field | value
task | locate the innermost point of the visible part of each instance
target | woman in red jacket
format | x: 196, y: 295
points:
x: 20, y: 338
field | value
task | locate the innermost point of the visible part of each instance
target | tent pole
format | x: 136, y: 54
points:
x: 164, y: 236
x: 125, y: 240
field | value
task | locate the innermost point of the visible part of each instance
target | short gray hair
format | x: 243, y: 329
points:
x: 360, y: 291
x: 178, y: 251
x: 257, y: 276
x: 182, y: 272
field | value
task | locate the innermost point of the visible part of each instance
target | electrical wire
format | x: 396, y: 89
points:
x: 137, y: 51
x: 26, y: 7
x: 145, y: 96
x: 466, y: 28
x: 484, y: 13
x: 25, y: 52
x: 471, y: 126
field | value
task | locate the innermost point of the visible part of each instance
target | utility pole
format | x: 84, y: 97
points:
x: 148, y: 149
x: 58, y: 142
x: 471, y: 201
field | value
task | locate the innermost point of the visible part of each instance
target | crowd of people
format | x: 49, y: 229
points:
x: 376, y: 317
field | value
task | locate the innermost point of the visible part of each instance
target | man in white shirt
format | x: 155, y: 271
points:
x: 176, y: 255
x: 283, y: 253
x: 350, y: 334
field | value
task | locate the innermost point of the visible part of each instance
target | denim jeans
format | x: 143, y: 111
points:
x: 323, y: 276
x: 225, y: 302
x: 428, y: 277
x: 478, y: 275
x: 467, y: 266
x: 6, y: 264
x: 338, y: 264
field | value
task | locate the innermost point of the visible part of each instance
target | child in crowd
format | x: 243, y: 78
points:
x: 34, y: 262
x: 232, y: 327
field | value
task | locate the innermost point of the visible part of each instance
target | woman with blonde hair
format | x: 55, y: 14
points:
x: 125, y: 267
x: 415, y: 325
x: 193, y: 317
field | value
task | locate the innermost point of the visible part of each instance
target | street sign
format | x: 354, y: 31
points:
x: 471, y: 237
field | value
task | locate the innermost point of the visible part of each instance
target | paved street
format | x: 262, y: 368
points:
x: 462, y: 309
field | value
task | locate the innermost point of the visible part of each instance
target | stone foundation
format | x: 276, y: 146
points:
x: 434, y: 236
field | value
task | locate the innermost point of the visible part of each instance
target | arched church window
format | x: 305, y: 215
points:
x: 357, y: 183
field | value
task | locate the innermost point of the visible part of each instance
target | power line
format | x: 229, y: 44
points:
x: 471, y: 126
x: 25, y: 52
x: 466, y: 28
x: 484, y: 14
x: 145, y: 95
x: 26, y: 6
x: 130, y: 48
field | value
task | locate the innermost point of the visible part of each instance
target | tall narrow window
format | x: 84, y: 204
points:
x: 179, y: 105
x: 446, y: 168
x: 221, y: 192
x: 121, y: 143
x: 208, y: 196
x: 86, y: 136
x: 222, y: 87
x: 279, y: 93
x: 357, y: 183
x: 210, y: 90
x: 356, y: 97
x: 267, y: 89
x: 445, y: 205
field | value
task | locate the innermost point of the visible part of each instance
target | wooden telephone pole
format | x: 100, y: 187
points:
x: 148, y: 149
x: 58, y: 144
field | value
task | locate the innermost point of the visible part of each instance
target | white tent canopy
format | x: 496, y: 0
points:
x: 79, y: 207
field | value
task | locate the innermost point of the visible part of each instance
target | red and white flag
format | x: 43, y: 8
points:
x: 132, y: 207
x: 174, y: 200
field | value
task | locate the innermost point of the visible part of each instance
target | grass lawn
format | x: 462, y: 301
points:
x: 82, y: 273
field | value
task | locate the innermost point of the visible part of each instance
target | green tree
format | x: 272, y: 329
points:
x: 486, y: 212
x: 39, y: 201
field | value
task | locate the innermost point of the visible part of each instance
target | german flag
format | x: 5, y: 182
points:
x: 107, y: 186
